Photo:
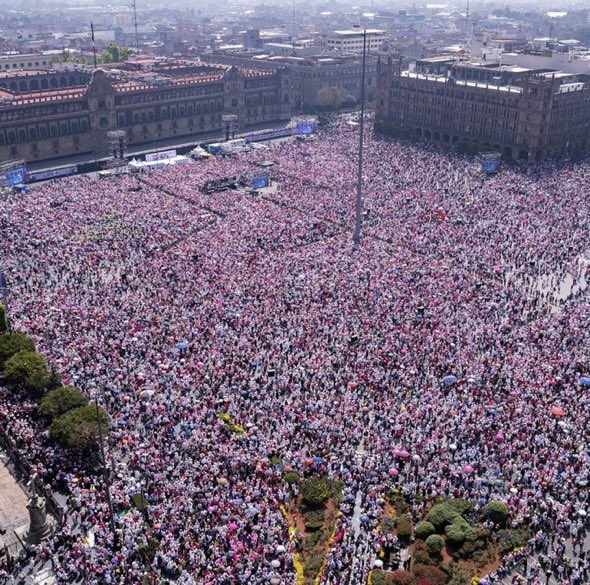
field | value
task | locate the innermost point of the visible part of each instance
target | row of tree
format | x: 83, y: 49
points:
x: 74, y: 423
x: 112, y: 54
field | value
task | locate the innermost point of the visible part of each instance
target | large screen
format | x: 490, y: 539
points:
x: 490, y: 166
x: 16, y: 176
x: 260, y: 181
x: 305, y: 127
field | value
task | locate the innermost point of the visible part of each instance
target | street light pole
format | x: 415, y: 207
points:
x: 359, y: 186
x: 4, y: 297
x: 105, y: 470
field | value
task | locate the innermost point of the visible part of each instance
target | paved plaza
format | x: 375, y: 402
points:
x: 14, y: 516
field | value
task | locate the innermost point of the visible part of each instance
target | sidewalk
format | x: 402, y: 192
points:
x: 14, y: 515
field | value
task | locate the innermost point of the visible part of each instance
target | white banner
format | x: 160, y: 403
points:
x: 160, y: 155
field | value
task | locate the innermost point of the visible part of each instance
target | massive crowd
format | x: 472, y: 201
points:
x: 438, y: 335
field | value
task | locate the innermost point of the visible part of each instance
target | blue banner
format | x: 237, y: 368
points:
x: 305, y: 127
x: 16, y: 176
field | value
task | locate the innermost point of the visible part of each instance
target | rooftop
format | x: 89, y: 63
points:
x: 445, y: 79
x: 358, y: 32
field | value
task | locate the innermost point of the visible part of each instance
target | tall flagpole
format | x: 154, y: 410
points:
x: 93, y: 44
x: 359, y: 186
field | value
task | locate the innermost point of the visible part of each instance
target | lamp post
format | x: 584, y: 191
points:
x: 359, y: 185
x: 4, y: 297
x: 107, y: 480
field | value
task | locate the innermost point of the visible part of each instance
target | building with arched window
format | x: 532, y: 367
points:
x: 71, y: 112
x: 523, y: 113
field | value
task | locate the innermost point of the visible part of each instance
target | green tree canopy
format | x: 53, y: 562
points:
x: 77, y: 429
x: 435, y: 543
x: 497, y: 512
x: 114, y: 54
x: 12, y: 343
x: 441, y: 515
x: 27, y: 369
x: 424, y: 530
x: 59, y: 401
x: 333, y: 97
x: 315, y: 491
x: 3, y: 319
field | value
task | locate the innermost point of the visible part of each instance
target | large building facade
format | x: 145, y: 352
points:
x: 74, y: 116
x: 523, y: 113
x: 307, y: 77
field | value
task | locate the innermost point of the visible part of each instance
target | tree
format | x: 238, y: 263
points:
x: 315, y: 491
x: 59, y: 401
x: 429, y: 574
x: 455, y: 534
x: 404, y: 529
x: 291, y: 477
x: 333, y: 97
x: 441, y: 515
x: 435, y: 543
x: 28, y: 370
x: 497, y: 512
x: 424, y: 530
x: 77, y: 429
x: 12, y: 343
x: 401, y: 577
x: 114, y: 54
x: 3, y: 319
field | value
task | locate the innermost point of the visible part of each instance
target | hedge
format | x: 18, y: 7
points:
x: 313, y: 565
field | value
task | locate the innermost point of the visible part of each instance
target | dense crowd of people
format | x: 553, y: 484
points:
x: 428, y: 358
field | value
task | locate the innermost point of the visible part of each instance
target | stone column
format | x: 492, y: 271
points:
x: 39, y: 528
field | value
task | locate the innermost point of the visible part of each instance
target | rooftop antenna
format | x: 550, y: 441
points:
x: 467, y: 24
x: 93, y: 45
x: 293, y: 23
x: 135, y: 24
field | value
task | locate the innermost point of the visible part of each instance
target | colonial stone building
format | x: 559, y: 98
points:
x: 72, y: 119
x: 308, y: 76
x: 523, y: 113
